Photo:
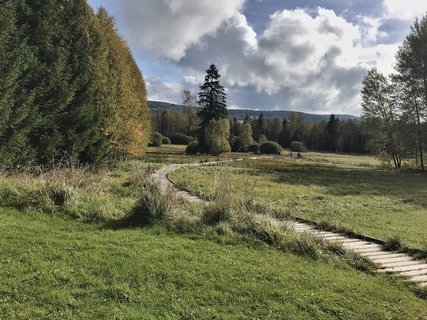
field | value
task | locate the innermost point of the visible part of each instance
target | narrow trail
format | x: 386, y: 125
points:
x: 386, y: 261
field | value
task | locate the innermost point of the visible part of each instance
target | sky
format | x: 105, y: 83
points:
x: 299, y: 55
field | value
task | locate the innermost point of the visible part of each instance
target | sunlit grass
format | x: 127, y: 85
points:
x: 347, y: 191
x: 58, y: 268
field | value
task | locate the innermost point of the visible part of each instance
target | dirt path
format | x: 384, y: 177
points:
x: 386, y: 261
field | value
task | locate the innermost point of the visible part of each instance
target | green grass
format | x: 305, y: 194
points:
x: 168, y: 154
x: 351, y: 192
x: 66, y: 254
x: 57, y: 268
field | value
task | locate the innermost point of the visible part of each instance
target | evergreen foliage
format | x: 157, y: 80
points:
x: 213, y: 101
x: 67, y: 80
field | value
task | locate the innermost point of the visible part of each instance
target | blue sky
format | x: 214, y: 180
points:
x: 302, y: 55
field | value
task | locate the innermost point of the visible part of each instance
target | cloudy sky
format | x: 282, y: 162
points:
x: 301, y: 55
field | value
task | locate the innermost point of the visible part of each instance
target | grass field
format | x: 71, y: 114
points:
x: 66, y: 253
x: 57, y: 268
x: 353, y: 192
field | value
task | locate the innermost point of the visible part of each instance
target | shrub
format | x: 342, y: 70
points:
x: 193, y: 148
x: 297, y: 146
x: 254, y: 148
x: 262, y: 139
x: 245, y: 136
x: 180, y: 139
x: 236, y: 144
x: 156, y: 139
x: 152, y: 207
x: 270, y: 147
x: 166, y: 140
x: 217, y: 134
x: 216, y: 213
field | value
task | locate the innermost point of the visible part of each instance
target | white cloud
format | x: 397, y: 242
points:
x: 302, y: 61
x: 308, y: 60
x: 163, y: 91
x: 166, y: 28
x: 405, y: 9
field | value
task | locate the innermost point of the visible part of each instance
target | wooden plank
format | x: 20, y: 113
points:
x: 422, y: 278
x: 385, y: 255
x: 405, y: 268
x: 367, y: 250
x: 352, y: 245
x: 391, y: 260
x: 414, y: 273
x: 401, y: 263
x: 363, y: 246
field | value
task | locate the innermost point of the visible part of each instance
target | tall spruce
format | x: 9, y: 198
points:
x: 332, y: 129
x: 212, y: 100
x: 17, y: 114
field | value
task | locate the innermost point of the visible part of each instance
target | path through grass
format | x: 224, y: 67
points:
x: 347, y: 191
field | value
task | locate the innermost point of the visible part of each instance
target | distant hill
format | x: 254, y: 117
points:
x: 241, y: 114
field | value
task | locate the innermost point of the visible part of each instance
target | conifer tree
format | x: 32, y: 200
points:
x: 16, y: 100
x: 128, y: 117
x: 69, y: 87
x: 212, y: 99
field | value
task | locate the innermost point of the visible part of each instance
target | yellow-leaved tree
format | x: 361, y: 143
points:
x: 128, y: 119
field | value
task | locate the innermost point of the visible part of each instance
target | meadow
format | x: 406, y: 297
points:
x: 348, y: 192
x: 69, y: 251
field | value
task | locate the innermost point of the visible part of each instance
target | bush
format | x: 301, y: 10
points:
x: 192, y: 148
x: 270, y: 147
x: 297, y: 146
x: 156, y: 139
x: 216, y: 213
x: 254, y: 148
x: 152, y: 207
x: 236, y: 144
x: 166, y: 140
x: 180, y: 139
x: 217, y: 134
x: 262, y: 139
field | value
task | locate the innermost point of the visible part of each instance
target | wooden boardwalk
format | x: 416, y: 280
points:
x: 387, y: 261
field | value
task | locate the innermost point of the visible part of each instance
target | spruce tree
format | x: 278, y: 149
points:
x: 212, y: 99
x: 17, y: 114
x: 332, y: 129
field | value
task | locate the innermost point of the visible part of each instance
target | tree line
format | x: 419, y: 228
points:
x: 204, y: 118
x: 395, y: 106
x: 70, y: 86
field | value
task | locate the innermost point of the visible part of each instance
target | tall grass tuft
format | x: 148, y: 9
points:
x: 152, y: 207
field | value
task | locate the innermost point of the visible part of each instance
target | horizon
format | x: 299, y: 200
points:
x: 268, y: 110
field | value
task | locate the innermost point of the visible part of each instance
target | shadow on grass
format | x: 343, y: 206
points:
x: 408, y: 186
